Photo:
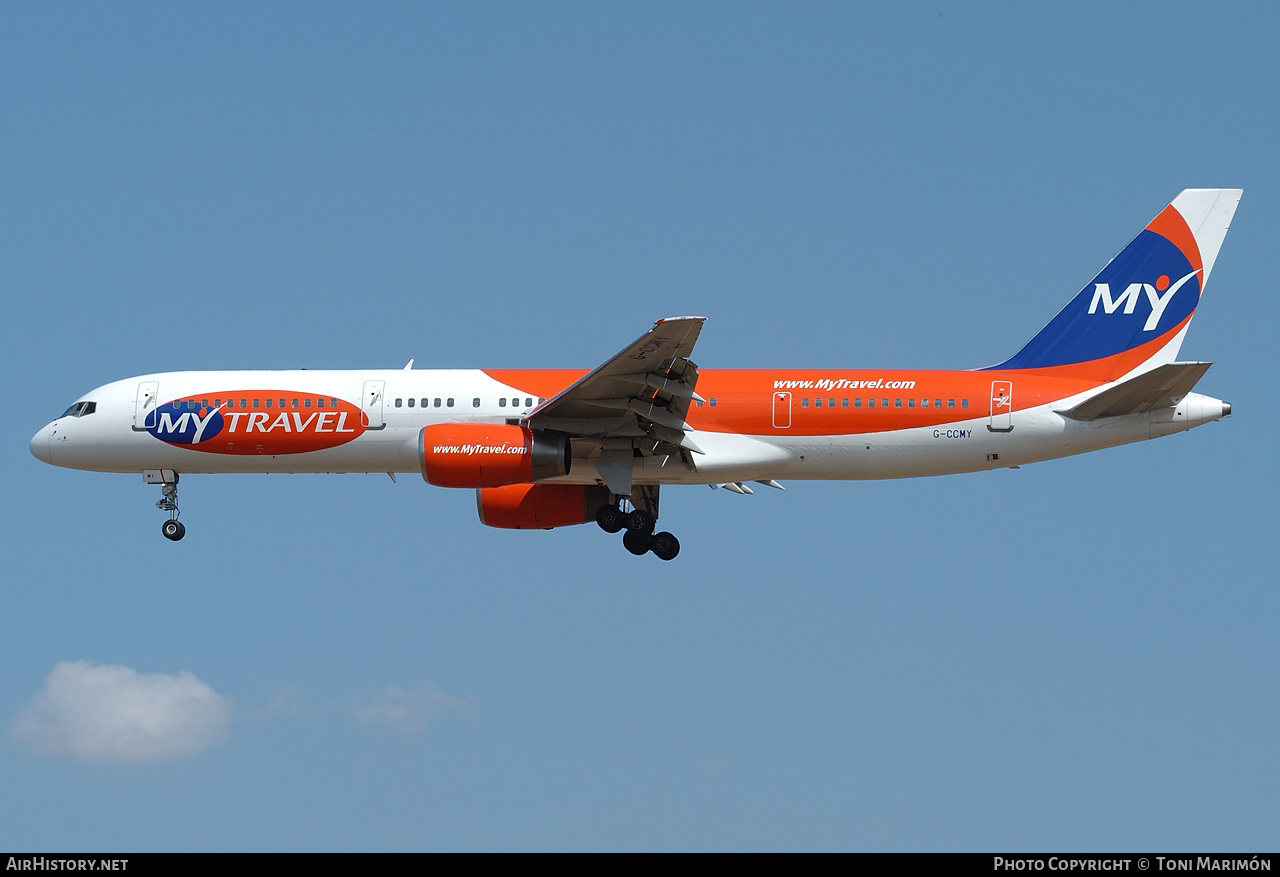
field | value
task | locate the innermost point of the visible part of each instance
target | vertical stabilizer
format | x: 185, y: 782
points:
x: 1134, y: 314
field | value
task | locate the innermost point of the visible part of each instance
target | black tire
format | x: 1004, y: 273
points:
x: 640, y: 521
x: 665, y: 546
x: 636, y: 541
x: 610, y: 518
x: 173, y: 530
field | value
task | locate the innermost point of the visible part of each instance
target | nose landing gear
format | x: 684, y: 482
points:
x: 172, y: 529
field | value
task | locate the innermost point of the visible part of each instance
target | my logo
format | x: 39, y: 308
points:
x: 177, y: 424
x: 1158, y: 296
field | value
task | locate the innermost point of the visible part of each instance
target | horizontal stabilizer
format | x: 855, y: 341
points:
x: 1162, y: 387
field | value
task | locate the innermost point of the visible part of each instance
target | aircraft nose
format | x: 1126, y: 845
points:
x: 40, y: 446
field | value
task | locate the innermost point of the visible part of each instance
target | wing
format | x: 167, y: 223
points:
x: 638, y: 400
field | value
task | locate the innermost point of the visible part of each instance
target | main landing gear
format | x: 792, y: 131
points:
x: 172, y: 529
x: 637, y: 528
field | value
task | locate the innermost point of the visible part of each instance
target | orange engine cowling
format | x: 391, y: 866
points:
x: 539, y: 506
x: 490, y: 455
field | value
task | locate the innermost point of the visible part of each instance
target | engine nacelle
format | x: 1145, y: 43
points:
x: 489, y: 455
x: 539, y: 506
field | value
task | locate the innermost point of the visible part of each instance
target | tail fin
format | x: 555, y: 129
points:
x: 1134, y: 314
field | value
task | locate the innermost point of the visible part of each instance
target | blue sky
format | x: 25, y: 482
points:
x: 1075, y: 655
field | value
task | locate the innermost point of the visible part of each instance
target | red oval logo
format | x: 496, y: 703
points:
x: 255, y: 422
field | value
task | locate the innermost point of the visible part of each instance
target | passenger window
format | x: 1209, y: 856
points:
x: 697, y: 402
x: 937, y: 403
x: 502, y: 401
x: 475, y: 403
x: 844, y: 403
x: 399, y: 402
x: 804, y: 403
x: 831, y: 403
x: 964, y: 403
x: 817, y: 403
x: 257, y: 403
x: 294, y: 403
x: 713, y: 401
x: 871, y: 403
x: 884, y: 403
x: 204, y: 403
x: 449, y: 402
x: 528, y: 402
x: 269, y: 401
x: 951, y: 403
x: 411, y: 401
x: 424, y: 402
x: 244, y: 404
x: 897, y: 403
x: 320, y: 403
x: 857, y: 403
x: 306, y: 403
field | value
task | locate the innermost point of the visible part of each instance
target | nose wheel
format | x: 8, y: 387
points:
x: 172, y: 529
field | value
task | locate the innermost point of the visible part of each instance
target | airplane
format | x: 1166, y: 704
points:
x: 545, y: 449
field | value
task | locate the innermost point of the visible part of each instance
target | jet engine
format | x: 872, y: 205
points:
x: 540, y: 506
x: 490, y: 455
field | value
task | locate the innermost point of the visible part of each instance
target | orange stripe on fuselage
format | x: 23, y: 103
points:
x: 744, y: 400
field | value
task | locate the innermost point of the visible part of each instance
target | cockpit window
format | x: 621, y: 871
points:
x: 81, y: 409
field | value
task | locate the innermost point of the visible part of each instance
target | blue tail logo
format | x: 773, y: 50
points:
x: 1158, y: 296
x: 1099, y: 324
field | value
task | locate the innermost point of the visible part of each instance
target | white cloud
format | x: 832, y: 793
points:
x: 106, y: 712
x: 409, y: 711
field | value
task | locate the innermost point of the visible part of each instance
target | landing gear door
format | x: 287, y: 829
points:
x: 371, y: 405
x: 1001, y: 406
x: 144, y: 406
x: 781, y: 410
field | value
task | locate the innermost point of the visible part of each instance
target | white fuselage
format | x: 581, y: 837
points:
x: 378, y: 432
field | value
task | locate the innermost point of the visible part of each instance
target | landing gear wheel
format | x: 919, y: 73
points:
x: 640, y: 521
x: 665, y: 546
x: 636, y: 541
x: 172, y: 529
x: 610, y: 518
